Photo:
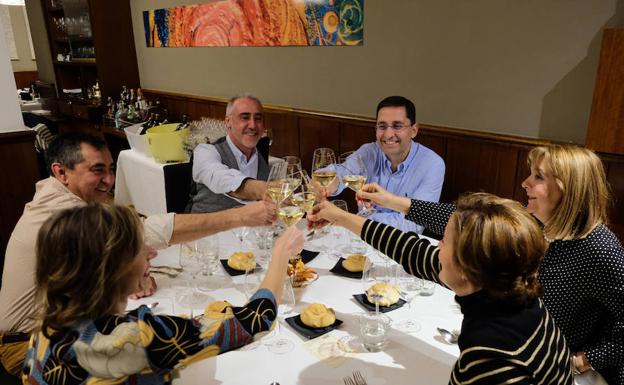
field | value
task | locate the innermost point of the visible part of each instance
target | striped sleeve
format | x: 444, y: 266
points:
x: 418, y: 256
x: 543, y: 358
x: 432, y: 215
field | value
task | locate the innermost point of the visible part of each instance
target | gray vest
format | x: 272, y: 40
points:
x: 203, y: 200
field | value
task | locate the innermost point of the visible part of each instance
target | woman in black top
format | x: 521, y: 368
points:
x: 583, y: 270
x: 489, y: 257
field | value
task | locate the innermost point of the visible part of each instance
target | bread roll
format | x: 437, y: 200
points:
x: 389, y: 294
x: 318, y: 316
x: 242, y: 261
x: 354, y: 263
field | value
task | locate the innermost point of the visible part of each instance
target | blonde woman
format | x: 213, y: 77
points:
x: 489, y: 257
x: 88, y: 260
x: 583, y: 270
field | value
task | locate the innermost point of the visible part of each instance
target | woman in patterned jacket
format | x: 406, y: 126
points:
x: 89, y: 260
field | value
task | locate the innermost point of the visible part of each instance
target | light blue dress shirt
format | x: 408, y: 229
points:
x: 419, y: 176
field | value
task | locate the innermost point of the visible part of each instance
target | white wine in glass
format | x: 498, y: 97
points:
x: 305, y: 200
x: 290, y: 214
x: 354, y: 182
x: 323, y: 166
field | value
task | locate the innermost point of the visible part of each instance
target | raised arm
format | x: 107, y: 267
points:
x: 417, y: 256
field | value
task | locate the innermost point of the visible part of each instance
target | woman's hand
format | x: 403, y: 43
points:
x: 149, y: 285
x: 289, y: 244
x: 325, y: 213
x: 374, y: 193
x: 580, y: 362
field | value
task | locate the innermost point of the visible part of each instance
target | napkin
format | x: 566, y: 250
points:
x: 234, y: 272
x: 309, y: 332
x: 307, y: 255
x: 338, y: 269
x: 362, y: 300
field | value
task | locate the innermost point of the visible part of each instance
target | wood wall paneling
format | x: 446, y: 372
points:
x: 352, y: 136
x: 23, y: 79
x: 315, y: 133
x: 284, y: 133
x: 16, y: 148
x: 606, y: 121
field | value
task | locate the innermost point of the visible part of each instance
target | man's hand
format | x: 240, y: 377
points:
x: 260, y: 213
x: 150, y: 288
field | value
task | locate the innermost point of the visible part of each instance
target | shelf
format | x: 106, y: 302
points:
x: 74, y: 39
x: 76, y: 63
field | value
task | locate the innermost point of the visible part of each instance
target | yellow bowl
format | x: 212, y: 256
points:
x: 166, y: 144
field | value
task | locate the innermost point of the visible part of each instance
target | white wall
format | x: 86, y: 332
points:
x: 10, y: 114
x: 522, y: 67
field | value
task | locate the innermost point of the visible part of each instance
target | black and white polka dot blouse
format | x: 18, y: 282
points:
x: 583, y: 283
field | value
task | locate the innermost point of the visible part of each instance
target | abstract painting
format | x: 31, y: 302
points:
x: 236, y: 23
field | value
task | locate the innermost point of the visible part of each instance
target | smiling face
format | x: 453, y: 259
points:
x: 138, y: 275
x: 245, y: 124
x: 394, y: 142
x: 542, y: 190
x: 92, y: 178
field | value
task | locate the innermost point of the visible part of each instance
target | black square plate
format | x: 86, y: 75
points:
x: 234, y: 272
x: 308, y: 332
x: 338, y: 269
x: 307, y: 255
x: 362, y: 300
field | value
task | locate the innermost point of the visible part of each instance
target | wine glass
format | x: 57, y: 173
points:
x: 323, y: 166
x: 253, y: 279
x: 371, y: 275
x: 410, y: 287
x: 191, y: 265
x: 290, y: 215
x: 208, y: 255
x: 355, y: 177
x: 338, y: 231
x: 280, y: 344
x: 241, y: 233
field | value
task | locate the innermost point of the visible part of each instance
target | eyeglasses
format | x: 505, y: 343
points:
x: 395, y: 126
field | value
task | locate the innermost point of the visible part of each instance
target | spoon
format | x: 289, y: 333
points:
x: 448, y: 336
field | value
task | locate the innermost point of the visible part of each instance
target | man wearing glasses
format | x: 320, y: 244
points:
x: 396, y: 162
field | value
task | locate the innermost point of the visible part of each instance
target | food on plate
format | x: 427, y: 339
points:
x: 242, y: 261
x: 318, y: 315
x: 301, y: 274
x: 383, y: 293
x: 354, y: 263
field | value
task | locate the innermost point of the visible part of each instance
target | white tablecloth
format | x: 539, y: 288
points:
x: 418, y: 358
x: 140, y: 182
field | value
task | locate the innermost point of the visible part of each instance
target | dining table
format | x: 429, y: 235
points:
x: 421, y: 356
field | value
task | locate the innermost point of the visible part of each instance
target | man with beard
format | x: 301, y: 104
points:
x: 83, y: 171
x: 231, y: 171
x: 396, y: 162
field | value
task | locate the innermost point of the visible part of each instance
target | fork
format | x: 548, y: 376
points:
x: 348, y: 381
x: 359, y: 378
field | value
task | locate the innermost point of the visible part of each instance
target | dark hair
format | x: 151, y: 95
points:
x: 65, y: 148
x: 82, y: 258
x: 399, y: 101
x: 498, y: 246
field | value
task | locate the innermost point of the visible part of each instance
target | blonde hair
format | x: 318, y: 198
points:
x: 83, y: 255
x: 498, y: 246
x: 580, y: 176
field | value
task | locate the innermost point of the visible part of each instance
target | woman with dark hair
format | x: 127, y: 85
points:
x: 89, y: 260
x: 583, y: 269
x: 489, y: 257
